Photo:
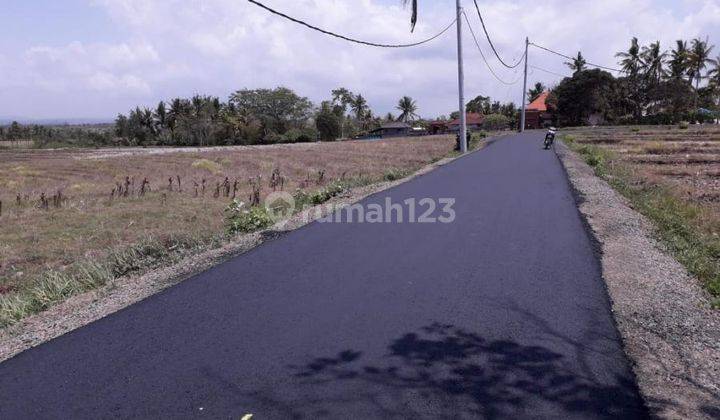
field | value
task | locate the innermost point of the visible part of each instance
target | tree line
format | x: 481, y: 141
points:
x: 57, y: 136
x: 656, y: 86
x: 249, y: 116
x: 257, y: 116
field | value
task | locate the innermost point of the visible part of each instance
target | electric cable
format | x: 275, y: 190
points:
x: 343, y: 37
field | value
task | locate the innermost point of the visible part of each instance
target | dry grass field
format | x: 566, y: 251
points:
x: 687, y: 159
x: 64, y: 206
x: 670, y: 174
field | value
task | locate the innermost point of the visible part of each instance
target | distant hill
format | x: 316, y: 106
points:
x: 55, y: 121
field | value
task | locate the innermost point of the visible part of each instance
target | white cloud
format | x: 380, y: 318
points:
x: 176, y: 48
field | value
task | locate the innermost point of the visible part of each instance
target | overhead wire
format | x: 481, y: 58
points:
x: 573, y: 58
x: 487, y: 35
x: 546, y: 71
x: 346, y: 38
x: 487, y: 64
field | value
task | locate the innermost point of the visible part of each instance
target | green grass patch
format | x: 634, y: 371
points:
x: 395, y: 174
x: 53, y: 286
x: 241, y: 218
x: 208, y: 165
x: 679, y: 223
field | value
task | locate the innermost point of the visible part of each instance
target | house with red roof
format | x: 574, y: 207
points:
x: 473, y: 120
x: 537, y: 114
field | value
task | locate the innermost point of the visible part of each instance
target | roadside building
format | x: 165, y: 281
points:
x: 473, y: 120
x: 418, y: 130
x: 438, y: 127
x: 391, y: 129
x: 536, y: 114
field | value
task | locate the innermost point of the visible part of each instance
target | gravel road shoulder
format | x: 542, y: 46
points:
x: 670, y: 331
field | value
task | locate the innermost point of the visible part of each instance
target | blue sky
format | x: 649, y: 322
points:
x: 95, y: 58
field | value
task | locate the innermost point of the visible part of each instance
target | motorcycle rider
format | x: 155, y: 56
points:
x: 550, y: 137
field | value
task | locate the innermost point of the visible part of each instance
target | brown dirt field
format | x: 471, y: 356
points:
x: 90, y: 220
x: 687, y: 160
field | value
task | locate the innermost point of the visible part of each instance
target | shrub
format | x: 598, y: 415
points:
x: 569, y: 139
x: 208, y: 165
x: 320, y: 196
x: 332, y: 190
x: 395, y: 174
x: 241, y: 219
x: 295, y: 135
x: 684, y: 125
x: 496, y: 122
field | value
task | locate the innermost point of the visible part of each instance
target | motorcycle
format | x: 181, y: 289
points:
x: 549, y: 138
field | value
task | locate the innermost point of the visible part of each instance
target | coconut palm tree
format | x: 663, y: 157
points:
x: 654, y: 62
x: 714, y: 78
x: 161, y: 115
x: 631, y: 61
x: 698, y: 59
x: 359, y: 106
x: 714, y: 73
x: 679, y: 61
x: 578, y: 63
x: 407, y: 106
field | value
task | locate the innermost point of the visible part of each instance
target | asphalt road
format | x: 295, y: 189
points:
x: 500, y: 314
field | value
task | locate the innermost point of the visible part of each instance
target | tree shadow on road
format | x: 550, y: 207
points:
x: 459, y: 374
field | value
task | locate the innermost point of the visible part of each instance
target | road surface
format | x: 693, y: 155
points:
x: 500, y: 314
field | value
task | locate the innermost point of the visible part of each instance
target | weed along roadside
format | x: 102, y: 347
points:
x: 686, y: 224
x: 89, y: 288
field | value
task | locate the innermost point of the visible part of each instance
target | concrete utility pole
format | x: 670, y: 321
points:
x: 461, y: 82
x: 522, y: 114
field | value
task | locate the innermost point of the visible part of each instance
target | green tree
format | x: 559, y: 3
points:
x: 577, y: 64
x: 359, y: 106
x: 479, y: 105
x: 408, y: 108
x: 535, y: 91
x: 342, y: 97
x: 631, y: 61
x: 161, y: 115
x: 634, y: 84
x: 327, y: 122
x: 496, y: 122
x: 278, y: 109
x: 121, y: 126
x: 653, y: 59
x: 15, y: 131
x: 672, y: 100
x: 698, y: 59
x: 714, y: 81
x: 679, y: 60
x: 588, y: 93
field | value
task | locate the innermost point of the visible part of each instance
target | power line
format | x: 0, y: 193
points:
x: 573, y: 58
x: 487, y: 35
x: 483, y: 55
x: 357, y: 41
x: 547, y: 71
